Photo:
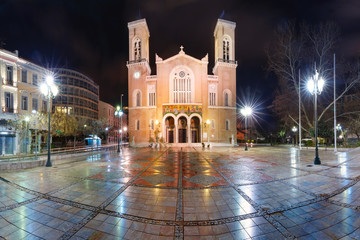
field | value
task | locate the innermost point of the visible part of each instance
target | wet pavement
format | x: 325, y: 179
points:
x: 186, y: 193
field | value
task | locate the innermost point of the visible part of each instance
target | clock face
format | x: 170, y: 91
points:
x: 136, y: 75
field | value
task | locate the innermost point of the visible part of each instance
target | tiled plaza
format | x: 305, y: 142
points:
x: 186, y: 193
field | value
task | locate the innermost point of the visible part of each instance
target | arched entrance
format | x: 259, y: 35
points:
x: 195, y: 129
x: 182, y: 129
x: 170, y: 129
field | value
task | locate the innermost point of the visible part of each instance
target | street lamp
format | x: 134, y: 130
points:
x: 118, y: 114
x: 246, y: 112
x: 34, y: 112
x: 294, y: 129
x: 50, y: 90
x: 315, y: 86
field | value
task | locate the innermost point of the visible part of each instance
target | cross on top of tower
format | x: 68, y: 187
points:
x: 181, y: 49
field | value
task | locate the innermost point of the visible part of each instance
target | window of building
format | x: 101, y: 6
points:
x: 212, y: 94
x: 44, y: 107
x: 24, y: 76
x: 137, y: 49
x: 35, y: 104
x: 24, y: 103
x: 212, y: 124
x: 138, y: 99
x: 9, y: 101
x: 226, y: 48
x: 151, y: 95
x: 9, y: 74
x: 152, y: 124
x: 151, y: 99
x: 137, y: 125
x: 35, y: 79
x: 227, y: 124
x: 227, y: 97
x: 182, y: 87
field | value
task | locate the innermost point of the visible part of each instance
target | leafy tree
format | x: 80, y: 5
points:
x: 323, y: 131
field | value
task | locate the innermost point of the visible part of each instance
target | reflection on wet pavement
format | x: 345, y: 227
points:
x: 186, y: 193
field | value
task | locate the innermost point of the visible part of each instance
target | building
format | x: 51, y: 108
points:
x: 182, y: 103
x: 78, y: 95
x: 19, y: 96
x: 106, y: 113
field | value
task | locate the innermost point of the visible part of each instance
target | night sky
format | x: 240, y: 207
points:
x: 92, y: 37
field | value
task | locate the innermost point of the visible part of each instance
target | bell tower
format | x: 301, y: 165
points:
x: 138, y: 70
x: 224, y: 35
x: 138, y: 41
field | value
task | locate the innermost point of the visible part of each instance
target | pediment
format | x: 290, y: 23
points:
x: 181, y: 55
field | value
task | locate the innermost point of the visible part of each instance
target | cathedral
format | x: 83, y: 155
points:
x: 182, y: 105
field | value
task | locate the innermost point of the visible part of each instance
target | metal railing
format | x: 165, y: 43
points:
x: 57, y: 151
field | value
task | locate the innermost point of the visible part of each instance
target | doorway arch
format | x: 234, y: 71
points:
x: 182, y: 124
x: 170, y: 129
x: 195, y: 129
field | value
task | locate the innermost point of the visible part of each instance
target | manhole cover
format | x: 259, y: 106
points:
x: 309, y: 165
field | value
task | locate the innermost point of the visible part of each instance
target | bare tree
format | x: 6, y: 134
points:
x: 308, y: 48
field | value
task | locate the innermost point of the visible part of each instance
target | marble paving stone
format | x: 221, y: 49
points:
x: 158, y: 179
x: 186, y: 193
x: 204, y: 180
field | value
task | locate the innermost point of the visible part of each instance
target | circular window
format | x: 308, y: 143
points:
x: 182, y: 74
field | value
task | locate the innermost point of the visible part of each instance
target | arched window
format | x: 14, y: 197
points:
x: 227, y: 98
x: 227, y: 124
x: 137, y: 124
x: 181, y: 87
x: 137, y: 49
x: 226, y: 48
x: 138, y: 99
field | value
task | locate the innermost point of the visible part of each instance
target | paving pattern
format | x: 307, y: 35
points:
x: 186, y: 193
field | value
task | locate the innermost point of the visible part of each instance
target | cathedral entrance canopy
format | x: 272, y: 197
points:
x: 182, y: 108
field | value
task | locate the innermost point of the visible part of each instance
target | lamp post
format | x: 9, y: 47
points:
x: 27, y: 119
x: 121, y: 136
x: 207, y: 124
x: 294, y: 129
x: 125, y: 129
x: 246, y: 112
x: 339, y: 128
x: 50, y: 90
x: 106, y: 134
x: 118, y: 114
x: 315, y: 86
x: 34, y: 112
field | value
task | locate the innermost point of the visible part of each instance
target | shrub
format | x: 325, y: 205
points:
x: 308, y: 143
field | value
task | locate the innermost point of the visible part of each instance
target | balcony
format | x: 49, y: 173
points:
x: 136, y: 61
x: 8, y: 82
x: 227, y: 61
x: 8, y: 110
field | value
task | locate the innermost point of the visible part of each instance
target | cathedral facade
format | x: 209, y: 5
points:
x: 182, y: 104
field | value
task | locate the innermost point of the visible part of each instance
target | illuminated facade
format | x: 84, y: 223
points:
x: 19, y: 96
x: 78, y: 95
x: 182, y: 103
